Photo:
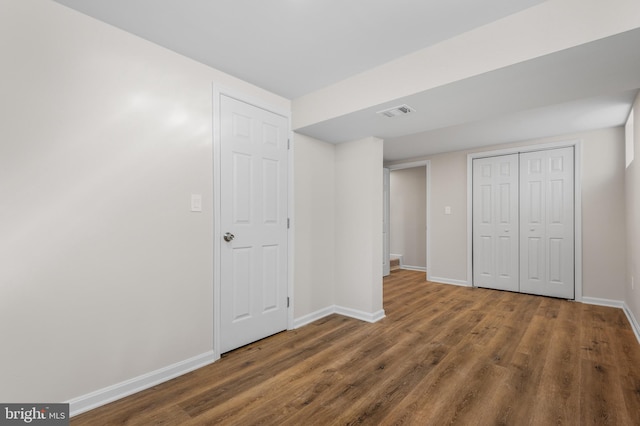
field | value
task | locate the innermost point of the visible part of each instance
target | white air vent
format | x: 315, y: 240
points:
x: 397, y: 111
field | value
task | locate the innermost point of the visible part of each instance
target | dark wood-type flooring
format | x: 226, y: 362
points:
x: 443, y: 355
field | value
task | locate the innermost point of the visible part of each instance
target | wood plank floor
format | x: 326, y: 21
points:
x: 443, y: 355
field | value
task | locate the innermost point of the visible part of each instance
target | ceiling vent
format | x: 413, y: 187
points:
x: 397, y: 111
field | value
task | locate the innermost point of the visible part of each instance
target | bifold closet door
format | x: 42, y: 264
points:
x: 547, y: 223
x: 495, y: 222
x: 523, y: 222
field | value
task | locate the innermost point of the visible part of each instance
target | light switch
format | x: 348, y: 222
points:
x: 447, y: 210
x: 196, y: 202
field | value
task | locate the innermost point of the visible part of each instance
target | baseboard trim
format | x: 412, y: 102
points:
x: 632, y: 320
x: 441, y: 280
x: 129, y: 387
x: 361, y: 315
x: 313, y: 316
x: 414, y: 268
x: 603, y: 302
x: 340, y: 310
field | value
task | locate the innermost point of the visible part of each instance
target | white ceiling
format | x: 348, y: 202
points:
x: 294, y: 47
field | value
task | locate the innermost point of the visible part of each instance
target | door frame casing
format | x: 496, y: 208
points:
x: 427, y: 165
x: 217, y: 92
x: 386, y: 239
x: 577, y: 212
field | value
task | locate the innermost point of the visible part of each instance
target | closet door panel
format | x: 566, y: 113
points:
x: 495, y: 222
x: 546, y: 223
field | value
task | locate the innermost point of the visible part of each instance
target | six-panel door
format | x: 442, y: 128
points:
x: 254, y: 214
x: 547, y: 223
x: 495, y: 222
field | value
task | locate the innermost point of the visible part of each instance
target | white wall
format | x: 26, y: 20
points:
x: 632, y: 198
x: 315, y: 191
x: 106, y: 274
x: 358, y: 222
x: 408, y: 215
x: 603, y: 205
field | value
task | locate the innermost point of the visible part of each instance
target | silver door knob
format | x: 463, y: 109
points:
x: 228, y: 236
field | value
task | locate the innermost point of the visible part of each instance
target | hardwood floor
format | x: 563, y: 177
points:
x: 443, y: 355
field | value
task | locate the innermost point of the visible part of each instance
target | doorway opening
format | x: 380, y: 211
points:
x: 407, y: 217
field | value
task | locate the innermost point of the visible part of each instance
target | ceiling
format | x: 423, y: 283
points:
x: 294, y: 47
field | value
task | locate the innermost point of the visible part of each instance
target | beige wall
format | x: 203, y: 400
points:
x: 106, y: 274
x: 602, y: 206
x: 603, y: 217
x: 632, y: 196
x: 315, y: 207
x: 358, y: 222
x: 408, y: 215
x: 448, y: 233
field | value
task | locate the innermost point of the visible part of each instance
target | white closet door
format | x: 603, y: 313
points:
x: 495, y: 222
x: 547, y: 223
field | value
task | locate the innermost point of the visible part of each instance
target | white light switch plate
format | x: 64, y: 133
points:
x: 196, y: 202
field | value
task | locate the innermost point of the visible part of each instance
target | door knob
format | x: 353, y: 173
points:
x: 228, y: 236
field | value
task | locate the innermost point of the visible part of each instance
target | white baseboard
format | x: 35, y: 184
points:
x: 313, y: 316
x: 414, y: 268
x: 441, y: 280
x: 129, y: 387
x: 399, y: 256
x: 632, y: 320
x: 341, y: 310
x: 361, y: 315
x: 603, y: 302
x: 409, y: 267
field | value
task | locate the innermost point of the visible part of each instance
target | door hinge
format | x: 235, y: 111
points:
x: 288, y: 143
x: 288, y: 223
x: 287, y: 302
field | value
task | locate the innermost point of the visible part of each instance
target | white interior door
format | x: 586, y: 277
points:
x: 495, y: 222
x: 386, y: 258
x: 547, y: 223
x: 253, y: 220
